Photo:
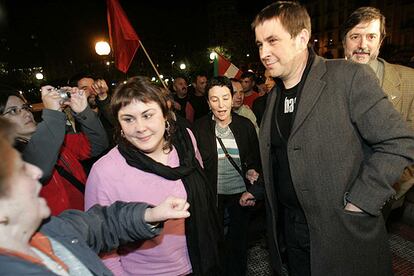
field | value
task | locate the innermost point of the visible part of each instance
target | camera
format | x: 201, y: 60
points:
x: 64, y: 94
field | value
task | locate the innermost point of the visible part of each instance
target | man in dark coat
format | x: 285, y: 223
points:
x: 331, y: 146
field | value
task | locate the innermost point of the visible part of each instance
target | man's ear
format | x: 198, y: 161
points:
x: 303, y: 38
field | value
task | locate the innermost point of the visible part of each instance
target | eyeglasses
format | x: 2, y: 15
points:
x: 15, y: 110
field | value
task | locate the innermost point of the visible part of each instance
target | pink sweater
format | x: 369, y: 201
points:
x: 112, y: 179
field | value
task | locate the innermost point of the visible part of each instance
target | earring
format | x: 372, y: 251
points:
x: 167, y: 129
x: 122, y: 133
x: 5, y: 221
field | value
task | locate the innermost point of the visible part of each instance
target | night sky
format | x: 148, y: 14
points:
x: 41, y: 32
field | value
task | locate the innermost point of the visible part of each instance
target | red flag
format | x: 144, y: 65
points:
x: 123, y: 38
x: 223, y: 67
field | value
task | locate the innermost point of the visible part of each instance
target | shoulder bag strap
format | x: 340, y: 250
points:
x: 226, y: 153
x: 69, y: 177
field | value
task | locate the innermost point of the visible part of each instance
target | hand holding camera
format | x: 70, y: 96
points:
x: 51, y: 98
x: 55, y: 99
x: 78, y: 100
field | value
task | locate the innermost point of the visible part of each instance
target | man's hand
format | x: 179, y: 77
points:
x: 51, y: 99
x: 171, y: 208
x: 352, y: 208
x: 78, y: 101
x: 247, y: 199
x: 100, y: 88
x: 252, y: 175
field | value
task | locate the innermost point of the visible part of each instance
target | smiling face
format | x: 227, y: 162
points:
x: 280, y: 53
x: 362, y: 43
x: 220, y: 101
x: 22, y: 117
x: 143, y: 125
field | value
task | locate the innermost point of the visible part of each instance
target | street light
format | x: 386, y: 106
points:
x: 102, y: 48
x: 183, y: 66
x: 39, y: 76
x: 213, y: 55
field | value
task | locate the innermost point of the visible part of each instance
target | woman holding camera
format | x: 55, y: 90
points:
x: 49, y: 146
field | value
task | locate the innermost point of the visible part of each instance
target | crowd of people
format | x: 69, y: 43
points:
x: 165, y: 182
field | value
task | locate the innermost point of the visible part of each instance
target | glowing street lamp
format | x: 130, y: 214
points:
x: 39, y: 76
x: 213, y: 55
x: 183, y: 66
x: 102, y: 48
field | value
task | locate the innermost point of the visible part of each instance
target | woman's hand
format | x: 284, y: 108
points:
x: 247, y: 199
x: 50, y: 98
x: 252, y: 175
x: 171, y: 208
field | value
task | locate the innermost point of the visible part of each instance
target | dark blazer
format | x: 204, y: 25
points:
x: 247, y: 143
x: 347, y: 141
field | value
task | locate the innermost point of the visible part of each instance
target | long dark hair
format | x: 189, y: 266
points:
x: 5, y: 93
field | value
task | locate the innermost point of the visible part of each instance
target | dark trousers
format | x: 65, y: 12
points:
x: 233, y: 250
x: 297, y: 241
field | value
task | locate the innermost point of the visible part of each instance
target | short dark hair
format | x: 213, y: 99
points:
x: 73, y: 81
x: 292, y: 15
x: 248, y: 74
x: 363, y: 14
x: 221, y: 81
x: 142, y: 89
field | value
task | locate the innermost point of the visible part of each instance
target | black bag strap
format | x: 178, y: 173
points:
x: 226, y: 153
x: 69, y: 177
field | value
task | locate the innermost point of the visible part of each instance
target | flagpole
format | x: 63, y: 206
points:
x: 153, y: 66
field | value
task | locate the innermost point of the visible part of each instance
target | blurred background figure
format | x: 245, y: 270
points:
x: 259, y: 104
x: 198, y: 103
x: 99, y: 98
x: 180, y: 96
x: 248, y: 82
x: 238, y: 106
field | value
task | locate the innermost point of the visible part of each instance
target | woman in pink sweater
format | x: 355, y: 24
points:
x: 156, y: 158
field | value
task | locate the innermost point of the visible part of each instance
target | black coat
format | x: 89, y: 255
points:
x: 247, y: 143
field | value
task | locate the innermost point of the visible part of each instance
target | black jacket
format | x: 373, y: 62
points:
x: 247, y: 143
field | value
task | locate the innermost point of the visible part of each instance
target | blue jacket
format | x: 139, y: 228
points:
x: 85, y: 234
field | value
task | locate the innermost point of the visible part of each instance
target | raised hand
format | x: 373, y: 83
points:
x: 50, y: 98
x: 78, y: 100
x: 171, y: 208
x: 100, y: 88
